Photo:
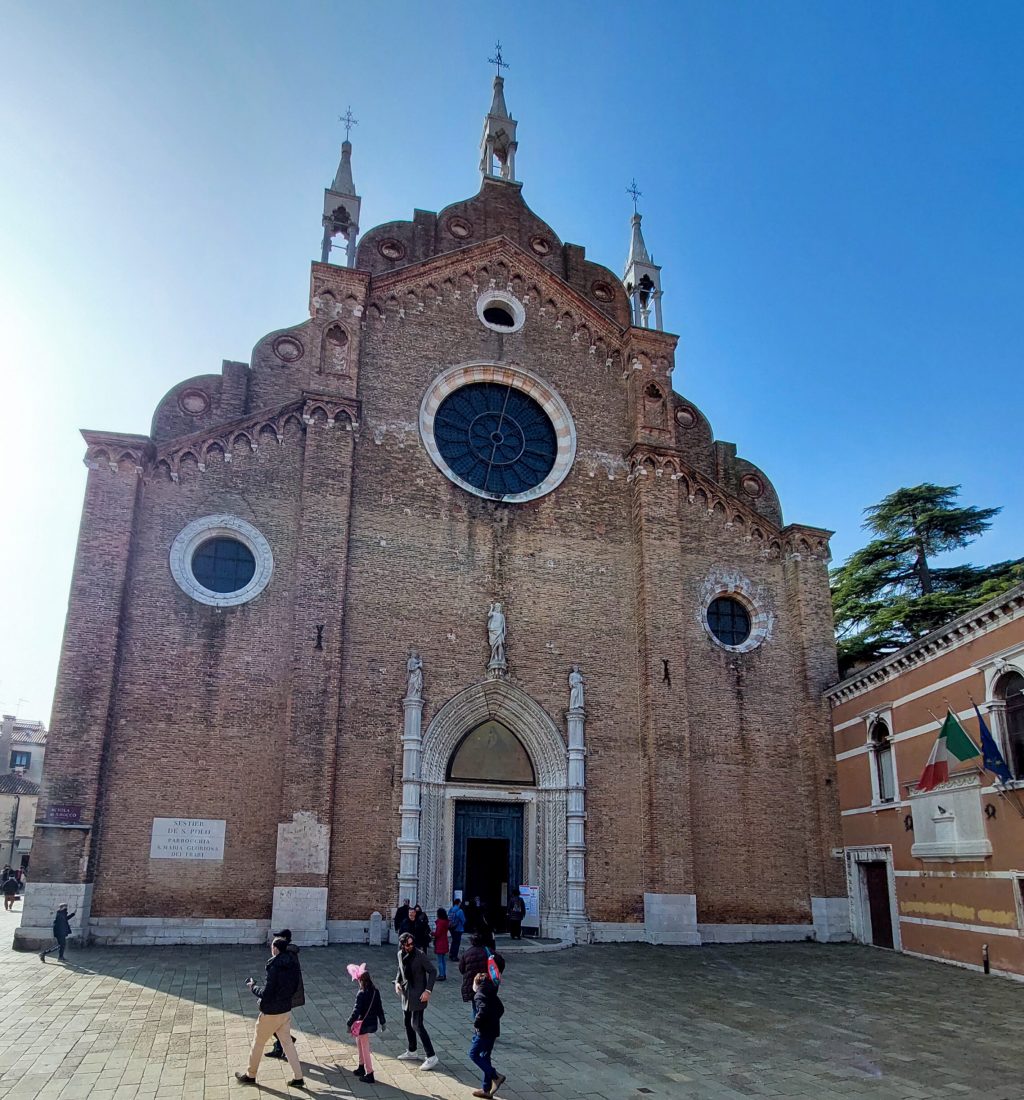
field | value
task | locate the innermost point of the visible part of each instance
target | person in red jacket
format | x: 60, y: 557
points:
x: 441, y: 943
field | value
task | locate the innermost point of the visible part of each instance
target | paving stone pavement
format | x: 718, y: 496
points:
x: 601, y: 1023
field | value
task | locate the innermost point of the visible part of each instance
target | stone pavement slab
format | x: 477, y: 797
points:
x: 609, y: 1022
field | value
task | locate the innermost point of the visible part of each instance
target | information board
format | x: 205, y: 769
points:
x: 187, y: 838
x: 531, y: 899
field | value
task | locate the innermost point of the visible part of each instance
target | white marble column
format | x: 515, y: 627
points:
x: 575, y: 811
x: 409, y: 841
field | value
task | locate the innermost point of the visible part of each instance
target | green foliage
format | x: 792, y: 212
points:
x: 887, y: 593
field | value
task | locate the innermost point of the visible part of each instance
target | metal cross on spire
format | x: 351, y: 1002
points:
x: 349, y: 121
x: 498, y: 60
x: 635, y: 191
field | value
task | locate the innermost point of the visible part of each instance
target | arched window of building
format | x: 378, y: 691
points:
x: 885, y: 772
x: 491, y: 753
x: 1010, y: 692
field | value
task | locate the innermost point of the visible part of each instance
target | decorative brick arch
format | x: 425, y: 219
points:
x: 546, y: 805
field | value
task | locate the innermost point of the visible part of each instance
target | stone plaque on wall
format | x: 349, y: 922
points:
x: 187, y: 838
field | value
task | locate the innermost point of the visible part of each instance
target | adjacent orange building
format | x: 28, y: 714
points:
x: 937, y: 873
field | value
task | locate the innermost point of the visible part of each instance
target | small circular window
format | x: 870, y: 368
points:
x: 223, y: 565
x: 728, y: 620
x: 221, y: 561
x: 500, y: 311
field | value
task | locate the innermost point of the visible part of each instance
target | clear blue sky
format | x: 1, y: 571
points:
x: 833, y: 189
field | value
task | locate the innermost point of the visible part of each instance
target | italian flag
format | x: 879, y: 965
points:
x: 951, y: 744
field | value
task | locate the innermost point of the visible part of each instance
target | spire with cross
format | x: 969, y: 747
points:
x: 349, y: 121
x: 635, y: 191
x: 497, y: 60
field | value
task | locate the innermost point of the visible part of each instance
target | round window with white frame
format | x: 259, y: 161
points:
x: 733, y: 619
x: 497, y: 431
x: 500, y: 311
x: 221, y: 561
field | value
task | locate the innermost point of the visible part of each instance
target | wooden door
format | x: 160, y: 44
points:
x: 876, y: 879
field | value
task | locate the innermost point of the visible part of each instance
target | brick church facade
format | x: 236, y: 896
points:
x: 446, y: 590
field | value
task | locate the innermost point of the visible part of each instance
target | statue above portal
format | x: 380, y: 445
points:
x: 415, y: 684
x: 496, y: 637
x: 575, y: 688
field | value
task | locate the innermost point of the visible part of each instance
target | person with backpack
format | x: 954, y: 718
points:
x: 441, y: 944
x: 61, y: 931
x: 516, y: 911
x: 276, y: 996
x: 366, y: 1013
x: 277, y: 1051
x: 487, y: 1012
x: 473, y: 962
x: 456, y: 925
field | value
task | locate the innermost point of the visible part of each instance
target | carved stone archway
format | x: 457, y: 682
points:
x: 427, y: 842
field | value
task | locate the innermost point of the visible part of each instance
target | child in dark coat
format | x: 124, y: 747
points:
x: 366, y: 1012
x: 489, y: 1010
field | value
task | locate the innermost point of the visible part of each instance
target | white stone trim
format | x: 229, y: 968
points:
x: 733, y: 583
x: 546, y: 804
x: 197, y: 532
x: 756, y: 933
x: 492, y: 297
x: 1011, y: 974
x: 149, y: 931
x: 881, y: 807
x: 454, y: 378
x: 981, y: 929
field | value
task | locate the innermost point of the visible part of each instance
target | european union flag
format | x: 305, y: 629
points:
x: 993, y: 758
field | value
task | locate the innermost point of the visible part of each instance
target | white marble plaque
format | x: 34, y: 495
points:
x: 187, y: 838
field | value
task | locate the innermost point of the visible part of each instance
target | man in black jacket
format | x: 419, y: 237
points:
x: 61, y: 931
x: 300, y: 994
x: 275, y: 1018
x: 413, y: 983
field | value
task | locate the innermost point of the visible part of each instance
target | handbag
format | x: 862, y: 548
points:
x: 357, y: 1027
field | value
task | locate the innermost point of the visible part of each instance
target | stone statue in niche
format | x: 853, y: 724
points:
x: 335, y: 353
x: 414, y: 688
x: 496, y: 637
x: 575, y: 688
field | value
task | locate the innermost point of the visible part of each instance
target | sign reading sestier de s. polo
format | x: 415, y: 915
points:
x: 187, y: 838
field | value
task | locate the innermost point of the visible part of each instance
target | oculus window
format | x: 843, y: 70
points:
x: 223, y: 565
x: 728, y: 620
x: 496, y: 438
x: 491, y: 753
x: 221, y: 560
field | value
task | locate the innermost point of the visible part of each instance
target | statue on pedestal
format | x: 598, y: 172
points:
x: 414, y: 690
x: 575, y: 688
x: 496, y: 637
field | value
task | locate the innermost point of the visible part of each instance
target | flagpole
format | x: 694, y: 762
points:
x: 1012, y: 796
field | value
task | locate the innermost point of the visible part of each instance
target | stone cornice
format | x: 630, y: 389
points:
x: 107, y: 448
x: 437, y: 268
x: 972, y: 624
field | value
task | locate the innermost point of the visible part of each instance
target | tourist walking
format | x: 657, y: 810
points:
x: 473, y: 962
x: 487, y: 1012
x: 61, y: 931
x: 456, y: 925
x: 300, y: 993
x: 413, y: 982
x: 421, y: 930
x: 441, y: 944
x: 516, y: 911
x: 9, y: 888
x: 275, y: 1018
x: 366, y: 1013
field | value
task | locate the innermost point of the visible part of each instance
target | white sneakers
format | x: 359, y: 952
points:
x: 412, y: 1056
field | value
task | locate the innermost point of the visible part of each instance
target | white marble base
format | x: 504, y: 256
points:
x: 831, y: 920
x: 39, y: 907
x: 671, y: 919
x: 614, y: 932
x: 150, y: 931
x: 303, y: 909
x: 756, y: 933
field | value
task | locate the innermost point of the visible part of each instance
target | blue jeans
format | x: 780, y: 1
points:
x: 441, y: 965
x: 480, y: 1051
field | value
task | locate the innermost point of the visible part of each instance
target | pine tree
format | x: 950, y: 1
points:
x: 888, y: 593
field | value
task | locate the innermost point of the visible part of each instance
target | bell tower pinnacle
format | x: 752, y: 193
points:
x: 498, y: 143
x: 643, y: 276
x: 341, y: 203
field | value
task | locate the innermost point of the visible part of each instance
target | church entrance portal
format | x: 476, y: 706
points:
x: 488, y: 854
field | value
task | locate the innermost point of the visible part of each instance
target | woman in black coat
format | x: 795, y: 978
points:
x: 367, y: 1011
x: 473, y: 962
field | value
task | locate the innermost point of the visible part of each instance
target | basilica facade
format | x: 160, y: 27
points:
x: 446, y: 591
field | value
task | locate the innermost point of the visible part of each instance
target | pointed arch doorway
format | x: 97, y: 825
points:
x: 473, y: 784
